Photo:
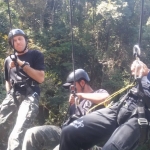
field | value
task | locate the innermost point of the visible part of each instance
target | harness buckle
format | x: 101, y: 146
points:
x: 144, y: 127
x: 32, y: 83
x: 143, y: 121
x: 19, y: 84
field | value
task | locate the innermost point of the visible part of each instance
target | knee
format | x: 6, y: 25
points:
x: 110, y: 146
x: 28, y: 136
x: 32, y: 132
x: 29, y: 133
x: 67, y: 133
x: 29, y: 139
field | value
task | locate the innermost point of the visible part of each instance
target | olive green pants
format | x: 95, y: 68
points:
x: 41, y: 137
x: 14, y: 120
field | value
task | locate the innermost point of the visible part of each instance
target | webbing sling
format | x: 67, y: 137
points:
x: 142, y: 121
x: 27, y: 83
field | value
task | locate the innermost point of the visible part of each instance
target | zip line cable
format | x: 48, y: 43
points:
x: 72, y: 38
x: 72, y: 49
x: 141, y: 22
x: 10, y: 27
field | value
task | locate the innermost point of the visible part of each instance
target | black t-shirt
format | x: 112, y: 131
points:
x: 36, y: 60
x: 85, y: 105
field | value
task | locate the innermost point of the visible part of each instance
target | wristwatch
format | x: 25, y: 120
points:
x: 24, y: 64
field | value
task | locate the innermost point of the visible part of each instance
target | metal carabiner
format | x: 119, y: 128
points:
x: 136, y: 54
x: 73, y: 91
x: 13, y: 57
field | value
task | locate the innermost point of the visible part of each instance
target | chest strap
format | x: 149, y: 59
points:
x: 142, y: 120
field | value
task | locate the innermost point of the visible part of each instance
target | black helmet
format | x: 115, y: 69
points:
x: 15, y: 32
x: 79, y: 74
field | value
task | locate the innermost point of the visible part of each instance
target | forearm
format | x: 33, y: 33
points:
x: 7, y: 86
x: 37, y: 75
x: 94, y: 97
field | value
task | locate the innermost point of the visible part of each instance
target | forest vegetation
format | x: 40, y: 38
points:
x: 104, y: 33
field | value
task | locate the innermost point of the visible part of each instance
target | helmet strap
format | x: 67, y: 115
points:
x: 82, y: 87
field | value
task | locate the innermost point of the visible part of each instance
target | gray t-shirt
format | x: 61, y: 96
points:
x: 85, y: 105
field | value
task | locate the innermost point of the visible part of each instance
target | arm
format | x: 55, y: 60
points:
x: 7, y: 86
x: 94, y: 97
x: 37, y: 75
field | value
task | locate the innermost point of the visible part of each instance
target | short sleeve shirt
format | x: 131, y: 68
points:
x: 85, y: 105
x: 36, y: 60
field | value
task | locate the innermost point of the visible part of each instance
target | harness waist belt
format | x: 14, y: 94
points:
x: 30, y: 83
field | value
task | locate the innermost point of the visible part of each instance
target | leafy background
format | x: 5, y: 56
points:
x: 104, y: 34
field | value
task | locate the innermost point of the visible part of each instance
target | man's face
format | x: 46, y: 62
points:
x: 19, y: 43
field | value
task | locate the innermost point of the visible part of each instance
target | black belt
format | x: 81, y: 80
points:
x: 26, y: 83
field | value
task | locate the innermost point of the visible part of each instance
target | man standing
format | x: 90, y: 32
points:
x: 24, y: 71
x: 48, y: 136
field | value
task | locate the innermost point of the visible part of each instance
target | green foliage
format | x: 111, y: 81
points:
x: 115, y: 81
x: 104, y: 33
x: 53, y: 99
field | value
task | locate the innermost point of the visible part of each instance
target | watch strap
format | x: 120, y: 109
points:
x: 25, y: 63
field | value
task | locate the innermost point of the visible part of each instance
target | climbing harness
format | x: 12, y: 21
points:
x: 143, y: 100
x: 25, y: 82
x: 143, y: 103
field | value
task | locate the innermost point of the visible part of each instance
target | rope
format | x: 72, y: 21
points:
x: 72, y: 49
x: 9, y: 14
x: 72, y: 38
x: 141, y: 23
x: 110, y: 97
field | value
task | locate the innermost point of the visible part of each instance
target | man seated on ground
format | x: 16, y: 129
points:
x: 48, y: 136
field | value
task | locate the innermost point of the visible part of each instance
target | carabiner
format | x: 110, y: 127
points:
x: 136, y: 52
x: 13, y: 57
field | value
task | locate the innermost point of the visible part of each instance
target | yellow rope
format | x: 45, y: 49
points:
x: 111, y: 96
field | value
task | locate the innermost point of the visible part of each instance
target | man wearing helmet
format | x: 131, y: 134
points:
x: 48, y: 136
x: 122, y: 125
x: 24, y: 71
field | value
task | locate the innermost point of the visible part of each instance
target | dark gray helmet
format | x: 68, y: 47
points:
x: 79, y: 74
x: 15, y: 32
